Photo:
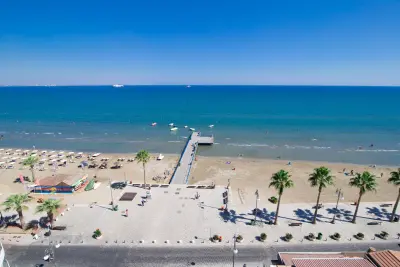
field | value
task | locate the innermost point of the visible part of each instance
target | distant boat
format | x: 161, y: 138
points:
x: 171, y: 124
x: 154, y: 124
x: 192, y: 129
x: 211, y: 126
x: 118, y: 85
x: 174, y: 128
x: 188, y: 86
x: 186, y: 126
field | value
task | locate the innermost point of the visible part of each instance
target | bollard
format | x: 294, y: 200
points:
x: 106, y: 241
x: 132, y: 241
x: 154, y: 241
x: 123, y: 241
x: 141, y: 241
x: 179, y: 241
x: 192, y: 241
x: 69, y: 241
x: 81, y: 241
x: 166, y: 241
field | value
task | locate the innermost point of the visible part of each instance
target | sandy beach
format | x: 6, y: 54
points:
x: 246, y: 175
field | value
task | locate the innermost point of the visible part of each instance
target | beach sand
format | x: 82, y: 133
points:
x: 246, y: 174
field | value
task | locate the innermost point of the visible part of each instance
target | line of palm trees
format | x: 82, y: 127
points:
x: 18, y: 203
x: 322, y: 178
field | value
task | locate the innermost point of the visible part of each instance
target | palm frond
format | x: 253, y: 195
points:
x: 321, y: 177
x: 49, y: 206
x: 395, y: 178
x: 365, y: 182
x: 143, y: 156
x: 281, y: 180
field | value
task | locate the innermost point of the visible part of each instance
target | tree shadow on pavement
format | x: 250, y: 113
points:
x: 380, y: 213
x: 341, y: 214
x: 264, y: 215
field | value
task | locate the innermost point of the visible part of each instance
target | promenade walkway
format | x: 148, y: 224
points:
x: 184, y: 166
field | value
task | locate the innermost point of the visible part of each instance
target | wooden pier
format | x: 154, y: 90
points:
x: 182, y: 170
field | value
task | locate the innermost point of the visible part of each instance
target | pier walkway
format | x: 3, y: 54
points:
x: 182, y: 170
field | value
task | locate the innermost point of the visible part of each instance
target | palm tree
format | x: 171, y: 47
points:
x: 50, y: 206
x: 365, y: 182
x: 395, y: 180
x: 31, y: 162
x: 143, y: 157
x: 17, y: 202
x: 321, y: 178
x: 280, y: 181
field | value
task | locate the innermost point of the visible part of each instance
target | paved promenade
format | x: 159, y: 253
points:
x: 174, y: 217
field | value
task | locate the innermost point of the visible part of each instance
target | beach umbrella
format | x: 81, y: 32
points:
x: 84, y: 163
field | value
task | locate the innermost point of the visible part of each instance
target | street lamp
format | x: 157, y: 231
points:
x: 112, y: 198
x: 256, y: 210
x: 235, y: 251
x: 339, y: 194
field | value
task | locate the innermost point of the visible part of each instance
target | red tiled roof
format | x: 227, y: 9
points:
x: 338, y: 262
x: 386, y: 258
x: 287, y: 258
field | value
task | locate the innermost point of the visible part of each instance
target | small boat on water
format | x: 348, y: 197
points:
x: 188, y: 86
x: 154, y: 124
x: 211, y: 126
x: 192, y: 129
x: 174, y: 128
x: 186, y: 126
x: 171, y: 124
x: 118, y: 85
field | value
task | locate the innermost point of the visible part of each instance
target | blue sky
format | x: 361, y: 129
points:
x: 353, y: 42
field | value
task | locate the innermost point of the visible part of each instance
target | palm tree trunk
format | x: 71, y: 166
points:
x: 144, y: 174
x: 50, y: 215
x: 277, y: 209
x: 356, y: 211
x: 33, y: 173
x: 316, y: 206
x: 21, y: 219
x: 395, y: 207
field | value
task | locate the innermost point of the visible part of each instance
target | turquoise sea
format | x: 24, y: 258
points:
x: 341, y: 124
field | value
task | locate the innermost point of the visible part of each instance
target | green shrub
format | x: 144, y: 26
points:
x: 215, y: 237
x: 263, y: 236
x: 288, y: 236
x: 239, y: 238
x: 273, y: 200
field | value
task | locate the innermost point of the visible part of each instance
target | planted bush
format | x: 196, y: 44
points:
x: 239, y: 238
x: 97, y: 233
x: 263, y: 236
x: 215, y: 238
x: 335, y: 236
x: 359, y: 236
x: 288, y: 237
x: 311, y: 236
x: 273, y: 200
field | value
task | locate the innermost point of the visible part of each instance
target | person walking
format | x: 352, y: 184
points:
x: 126, y: 213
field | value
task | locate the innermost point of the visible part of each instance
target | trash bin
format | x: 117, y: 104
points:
x: 115, y: 208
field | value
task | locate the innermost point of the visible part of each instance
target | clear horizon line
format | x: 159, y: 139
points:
x: 283, y: 85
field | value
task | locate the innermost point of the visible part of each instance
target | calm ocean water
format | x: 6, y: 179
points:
x: 342, y: 124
